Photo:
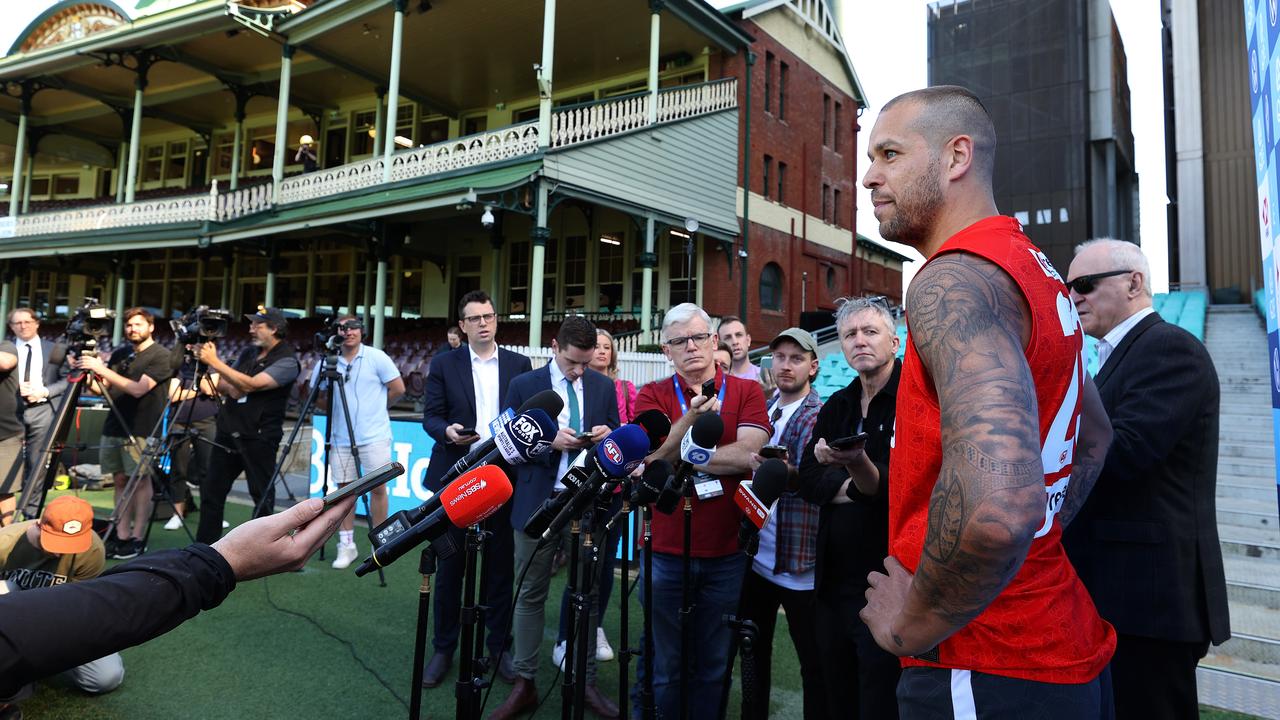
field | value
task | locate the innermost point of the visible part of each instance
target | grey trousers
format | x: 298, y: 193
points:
x: 38, y: 419
x: 528, y: 626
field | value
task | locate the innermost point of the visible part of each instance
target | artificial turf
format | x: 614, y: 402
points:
x: 323, y: 643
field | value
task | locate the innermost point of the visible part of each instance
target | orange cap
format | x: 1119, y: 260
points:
x: 66, y: 527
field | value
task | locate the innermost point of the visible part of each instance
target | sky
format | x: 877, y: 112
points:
x: 886, y: 41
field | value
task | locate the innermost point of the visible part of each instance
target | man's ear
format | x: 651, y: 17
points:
x: 959, y: 157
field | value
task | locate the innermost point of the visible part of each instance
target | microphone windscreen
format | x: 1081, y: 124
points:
x: 656, y: 425
x: 707, y: 429
x: 527, y: 436
x: 622, y: 451
x: 475, y: 495
x: 656, y: 475
x: 770, y: 480
x: 547, y: 401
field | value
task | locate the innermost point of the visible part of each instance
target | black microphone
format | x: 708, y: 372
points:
x: 656, y: 425
x: 483, y: 453
x: 756, y: 500
x: 697, y: 448
x: 574, y: 480
x: 645, y: 489
x: 615, y: 457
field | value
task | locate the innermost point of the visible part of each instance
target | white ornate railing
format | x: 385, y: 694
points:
x: 682, y: 102
x: 597, y: 120
x: 463, y: 152
x: 241, y: 201
x: 158, y: 211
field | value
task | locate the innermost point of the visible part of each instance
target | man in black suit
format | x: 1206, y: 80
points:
x: 1145, y: 541
x: 42, y: 379
x: 464, y: 393
x: 590, y: 407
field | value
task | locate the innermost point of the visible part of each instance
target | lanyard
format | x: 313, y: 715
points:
x: 684, y: 408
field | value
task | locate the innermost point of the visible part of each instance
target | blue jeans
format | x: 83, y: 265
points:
x: 716, y: 584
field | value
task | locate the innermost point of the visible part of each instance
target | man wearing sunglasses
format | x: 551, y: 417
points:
x: 372, y: 383
x: 1146, y: 541
x: 999, y: 426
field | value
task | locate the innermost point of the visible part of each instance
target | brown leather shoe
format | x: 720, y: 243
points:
x: 523, y: 698
x: 599, y: 704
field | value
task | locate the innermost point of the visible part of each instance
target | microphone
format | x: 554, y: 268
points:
x: 615, y: 457
x: 472, y: 498
x: 656, y: 425
x: 645, y: 489
x: 756, y: 500
x: 697, y: 448
x: 547, y: 401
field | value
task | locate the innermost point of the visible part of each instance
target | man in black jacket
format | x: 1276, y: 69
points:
x: 852, y: 487
x: 1145, y: 542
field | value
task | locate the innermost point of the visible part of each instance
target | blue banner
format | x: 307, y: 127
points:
x: 410, y: 446
x: 1262, y: 32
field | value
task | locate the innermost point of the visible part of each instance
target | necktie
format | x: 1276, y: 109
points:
x: 575, y: 414
x: 26, y: 368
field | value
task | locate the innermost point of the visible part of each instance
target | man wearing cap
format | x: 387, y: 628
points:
x: 255, y: 392
x: 136, y: 380
x: 781, y: 572
x: 58, y: 548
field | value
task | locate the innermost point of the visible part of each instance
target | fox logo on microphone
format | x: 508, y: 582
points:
x: 524, y: 430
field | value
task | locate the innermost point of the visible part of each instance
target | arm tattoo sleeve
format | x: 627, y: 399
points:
x: 966, y: 317
x: 1091, y: 453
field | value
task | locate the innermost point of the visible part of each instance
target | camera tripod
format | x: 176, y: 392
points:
x: 328, y: 371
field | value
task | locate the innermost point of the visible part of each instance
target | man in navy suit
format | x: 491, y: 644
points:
x: 42, y: 379
x: 1145, y: 541
x: 464, y: 393
x: 590, y: 408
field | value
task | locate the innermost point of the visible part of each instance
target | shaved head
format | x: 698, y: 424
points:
x: 945, y: 111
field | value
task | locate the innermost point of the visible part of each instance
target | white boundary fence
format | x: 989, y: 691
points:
x: 639, y: 368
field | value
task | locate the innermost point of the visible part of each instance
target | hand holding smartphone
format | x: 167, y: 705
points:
x: 769, y: 452
x: 852, y: 442
x: 366, y: 483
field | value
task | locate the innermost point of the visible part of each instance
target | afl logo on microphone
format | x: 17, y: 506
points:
x: 612, y: 451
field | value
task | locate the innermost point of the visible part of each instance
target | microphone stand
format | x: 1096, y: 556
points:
x: 426, y: 566
x: 568, y: 689
x: 582, y: 606
x: 471, y: 673
x: 686, y: 609
x: 744, y: 635
x: 648, y: 709
x: 624, y: 649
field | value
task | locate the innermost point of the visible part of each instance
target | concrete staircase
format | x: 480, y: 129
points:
x: 1243, y: 674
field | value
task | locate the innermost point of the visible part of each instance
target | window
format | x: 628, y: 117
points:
x: 768, y: 172
x: 1044, y: 216
x: 837, y: 129
x: 223, y: 147
x: 771, y: 287
x: 835, y: 206
x: 826, y: 121
x: 575, y: 272
x: 364, y: 130
x: 782, y: 180
x: 66, y: 184
x: 153, y: 163
x: 611, y: 271
x: 518, y: 267
x: 433, y: 130
x: 682, y: 268
x: 831, y: 279
x: 261, y: 148
x: 176, y: 165
x: 826, y: 193
x: 404, y: 127
x: 526, y: 115
x: 782, y: 90
x: 475, y: 124
x: 768, y: 82
x: 40, y: 186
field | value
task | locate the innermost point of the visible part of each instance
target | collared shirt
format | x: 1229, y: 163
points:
x: 788, y: 540
x: 1111, y: 340
x: 751, y: 373
x: 34, y: 347
x: 365, y: 379
x: 562, y: 420
x: 484, y: 377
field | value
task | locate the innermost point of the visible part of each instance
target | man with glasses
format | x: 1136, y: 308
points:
x: 1145, y: 542
x: 464, y: 394
x: 717, y: 565
x: 136, y: 379
x: 372, y: 383
x: 42, y: 379
x: 255, y: 393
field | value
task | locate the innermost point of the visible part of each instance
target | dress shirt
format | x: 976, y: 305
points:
x: 562, y: 420
x: 484, y: 377
x: 1111, y: 340
x: 34, y: 347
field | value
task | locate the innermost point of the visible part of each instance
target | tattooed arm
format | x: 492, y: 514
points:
x: 1091, y: 452
x: 968, y: 322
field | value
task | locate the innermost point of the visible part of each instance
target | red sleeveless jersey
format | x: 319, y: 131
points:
x: 1043, y: 626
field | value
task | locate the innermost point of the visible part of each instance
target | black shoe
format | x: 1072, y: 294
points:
x: 128, y: 549
x: 436, y: 669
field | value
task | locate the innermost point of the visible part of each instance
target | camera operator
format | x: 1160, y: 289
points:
x: 372, y: 384
x: 135, y: 380
x: 255, y: 393
x: 192, y: 415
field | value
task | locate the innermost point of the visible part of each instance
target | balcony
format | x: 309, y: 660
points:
x: 570, y: 126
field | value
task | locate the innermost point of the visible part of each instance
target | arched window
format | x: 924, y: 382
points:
x: 771, y: 287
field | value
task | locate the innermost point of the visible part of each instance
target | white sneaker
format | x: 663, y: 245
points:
x: 225, y: 524
x: 346, y: 555
x: 604, y: 652
x: 557, y: 655
x: 174, y: 523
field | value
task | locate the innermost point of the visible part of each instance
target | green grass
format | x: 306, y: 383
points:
x: 323, y: 643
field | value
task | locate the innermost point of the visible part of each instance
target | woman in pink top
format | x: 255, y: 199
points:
x: 606, y: 361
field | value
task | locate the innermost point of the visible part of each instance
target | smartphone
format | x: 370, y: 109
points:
x: 464, y: 432
x: 709, y: 388
x: 370, y: 481
x: 584, y: 435
x: 848, y: 443
x: 774, y: 451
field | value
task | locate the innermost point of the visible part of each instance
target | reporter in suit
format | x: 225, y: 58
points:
x: 42, y: 379
x: 590, y: 406
x: 1145, y: 541
x: 464, y: 391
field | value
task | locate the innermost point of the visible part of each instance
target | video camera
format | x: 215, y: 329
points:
x: 90, y: 322
x: 329, y: 340
x: 201, y: 324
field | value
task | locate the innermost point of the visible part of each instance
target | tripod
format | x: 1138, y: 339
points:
x: 427, y: 567
x: 472, y: 665
x: 328, y: 372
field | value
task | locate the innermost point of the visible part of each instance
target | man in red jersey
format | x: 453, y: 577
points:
x: 999, y: 433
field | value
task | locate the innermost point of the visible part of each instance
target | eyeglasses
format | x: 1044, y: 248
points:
x: 678, y: 342
x: 484, y: 319
x: 350, y: 325
x: 1086, y: 284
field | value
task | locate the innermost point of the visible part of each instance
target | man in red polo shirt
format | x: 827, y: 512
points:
x: 999, y: 434
x: 717, y: 566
